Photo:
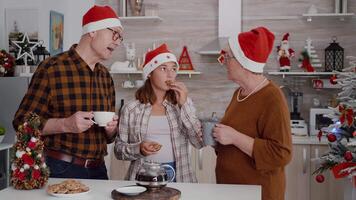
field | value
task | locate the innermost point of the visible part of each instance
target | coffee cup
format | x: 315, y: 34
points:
x: 102, y: 117
x: 208, y: 127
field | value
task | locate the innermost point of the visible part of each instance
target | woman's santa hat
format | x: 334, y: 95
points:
x: 100, y: 17
x: 157, y: 57
x: 252, y: 48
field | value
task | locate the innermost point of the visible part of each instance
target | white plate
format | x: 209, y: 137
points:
x: 69, y: 195
x: 131, y: 190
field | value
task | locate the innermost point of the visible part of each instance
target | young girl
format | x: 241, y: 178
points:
x: 159, y: 125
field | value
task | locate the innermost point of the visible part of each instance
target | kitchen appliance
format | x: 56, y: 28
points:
x: 153, y: 175
x: 317, y: 120
x: 297, y: 123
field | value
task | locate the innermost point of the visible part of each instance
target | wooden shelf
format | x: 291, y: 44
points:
x: 341, y: 16
x: 182, y: 72
x: 310, y: 74
x: 141, y: 19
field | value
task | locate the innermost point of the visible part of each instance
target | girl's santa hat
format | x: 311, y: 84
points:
x: 100, y: 17
x: 156, y: 58
x: 252, y: 48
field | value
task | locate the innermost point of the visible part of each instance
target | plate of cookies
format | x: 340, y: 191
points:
x: 68, y: 188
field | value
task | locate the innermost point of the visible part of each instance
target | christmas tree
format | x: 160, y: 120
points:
x: 341, y: 157
x: 29, y: 170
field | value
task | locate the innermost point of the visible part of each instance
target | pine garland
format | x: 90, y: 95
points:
x: 29, y: 170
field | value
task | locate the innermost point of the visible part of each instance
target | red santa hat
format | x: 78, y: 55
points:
x: 252, y: 48
x: 156, y: 58
x: 100, y: 17
x: 285, y: 37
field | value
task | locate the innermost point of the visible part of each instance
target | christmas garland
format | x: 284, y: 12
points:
x: 29, y: 170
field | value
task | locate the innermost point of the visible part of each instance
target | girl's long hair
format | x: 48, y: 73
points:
x: 145, y: 94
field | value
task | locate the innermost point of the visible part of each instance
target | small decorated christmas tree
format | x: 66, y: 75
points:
x: 341, y: 158
x: 29, y: 170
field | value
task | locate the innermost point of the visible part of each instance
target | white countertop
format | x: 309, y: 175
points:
x: 101, y: 189
x: 309, y: 140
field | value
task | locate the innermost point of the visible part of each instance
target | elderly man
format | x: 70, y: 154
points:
x: 64, y: 92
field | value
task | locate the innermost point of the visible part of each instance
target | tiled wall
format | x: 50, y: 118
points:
x: 194, y: 23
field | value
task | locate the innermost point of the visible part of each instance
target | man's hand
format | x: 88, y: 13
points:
x: 78, y: 122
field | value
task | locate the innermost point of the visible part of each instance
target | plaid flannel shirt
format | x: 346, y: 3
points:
x: 61, y: 86
x: 185, y: 128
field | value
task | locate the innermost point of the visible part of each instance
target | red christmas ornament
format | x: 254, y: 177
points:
x: 31, y: 145
x: 27, y: 159
x: 333, y: 79
x: 320, y: 178
x: 331, y: 137
x: 20, y: 175
x: 348, y: 156
x: 36, y: 174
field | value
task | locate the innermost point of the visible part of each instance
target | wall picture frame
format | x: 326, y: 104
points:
x: 56, y: 32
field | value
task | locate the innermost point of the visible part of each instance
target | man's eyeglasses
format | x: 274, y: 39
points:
x: 116, y: 35
x: 224, y: 57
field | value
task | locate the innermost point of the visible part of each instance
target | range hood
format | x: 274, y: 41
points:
x: 229, y: 24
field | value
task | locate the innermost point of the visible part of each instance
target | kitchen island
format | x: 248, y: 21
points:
x: 101, y: 189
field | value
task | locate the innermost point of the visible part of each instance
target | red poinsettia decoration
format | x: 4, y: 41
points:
x: 7, y: 62
x: 36, y: 174
x: 27, y: 159
x: 347, y: 115
x: 20, y: 174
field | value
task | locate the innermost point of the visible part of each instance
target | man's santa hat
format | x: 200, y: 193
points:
x: 252, y: 48
x: 156, y: 58
x: 100, y: 17
x: 285, y: 37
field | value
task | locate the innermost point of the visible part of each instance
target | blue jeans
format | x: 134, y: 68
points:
x: 169, y: 171
x: 62, y: 169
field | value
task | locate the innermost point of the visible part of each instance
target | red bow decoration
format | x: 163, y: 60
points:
x: 346, y: 114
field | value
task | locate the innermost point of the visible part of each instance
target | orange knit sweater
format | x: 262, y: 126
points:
x: 263, y: 116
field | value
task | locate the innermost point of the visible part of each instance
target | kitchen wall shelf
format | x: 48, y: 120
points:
x: 340, y: 16
x: 182, y: 72
x: 309, y: 74
x: 141, y: 19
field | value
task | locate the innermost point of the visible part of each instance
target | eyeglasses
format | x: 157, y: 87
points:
x: 224, y: 57
x: 116, y: 35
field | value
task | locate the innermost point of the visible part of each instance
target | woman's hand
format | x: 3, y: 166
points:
x: 181, y: 91
x: 148, y: 148
x: 224, y: 134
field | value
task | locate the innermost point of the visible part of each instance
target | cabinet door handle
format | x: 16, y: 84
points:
x: 200, y: 159
x: 304, y: 160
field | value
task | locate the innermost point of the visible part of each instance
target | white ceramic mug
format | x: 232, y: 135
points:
x: 102, y: 117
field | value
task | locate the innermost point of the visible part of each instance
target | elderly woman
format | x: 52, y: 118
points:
x: 254, y: 136
x: 159, y: 125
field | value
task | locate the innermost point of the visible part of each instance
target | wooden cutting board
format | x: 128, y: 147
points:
x: 165, y: 193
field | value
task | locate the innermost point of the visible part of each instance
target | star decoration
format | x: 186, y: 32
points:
x: 25, y: 47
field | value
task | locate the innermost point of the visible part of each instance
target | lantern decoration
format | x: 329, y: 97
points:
x: 40, y: 53
x: 334, y: 57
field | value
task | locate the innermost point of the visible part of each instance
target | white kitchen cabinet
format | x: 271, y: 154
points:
x: 331, y: 188
x: 298, y: 174
x: 204, y: 161
x: 301, y: 184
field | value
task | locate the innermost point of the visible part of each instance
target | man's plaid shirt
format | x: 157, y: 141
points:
x: 185, y: 129
x: 61, y: 86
